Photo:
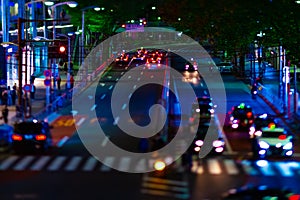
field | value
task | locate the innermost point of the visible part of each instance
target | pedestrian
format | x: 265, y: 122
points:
x: 14, y: 95
x: 72, y: 81
x: 58, y: 79
x: 4, y: 97
x: 32, y: 91
x: 5, y: 114
x: 9, y: 98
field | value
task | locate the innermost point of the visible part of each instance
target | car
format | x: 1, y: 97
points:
x: 137, y: 61
x: 191, y: 66
x: 273, y: 141
x: 259, y: 192
x: 204, y: 108
x: 31, y: 135
x: 225, y: 67
x: 6, y: 132
x: 123, y: 59
x: 217, y: 146
x: 241, y: 117
x: 261, y: 121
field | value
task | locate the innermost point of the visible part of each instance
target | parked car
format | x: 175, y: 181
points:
x: 225, y: 67
x: 31, y: 135
x: 6, y: 132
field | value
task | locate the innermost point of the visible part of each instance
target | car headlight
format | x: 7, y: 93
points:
x: 218, y: 143
x: 264, y: 145
x: 199, y: 143
x: 288, y: 145
x: 258, y: 133
x: 212, y: 111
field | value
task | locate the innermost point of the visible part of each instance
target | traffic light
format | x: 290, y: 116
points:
x: 62, y: 49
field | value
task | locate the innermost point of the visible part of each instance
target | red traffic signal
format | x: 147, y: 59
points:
x: 62, y: 49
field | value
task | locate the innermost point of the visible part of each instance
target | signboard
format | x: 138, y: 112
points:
x: 47, y: 82
x: 47, y: 73
x: 27, y: 88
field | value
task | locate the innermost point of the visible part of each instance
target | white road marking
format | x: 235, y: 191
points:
x: 8, y: 162
x: 80, y: 121
x: 90, y: 164
x: 124, y: 164
x: 138, y: 79
x: 22, y: 164
x: 205, y: 92
x: 104, y: 142
x: 109, y: 161
x: 62, y: 141
x: 267, y: 170
x: 129, y: 77
x: 116, y: 121
x: 56, y: 164
x: 93, y: 107
x: 141, y: 165
x: 124, y: 106
x: 285, y: 168
x: 73, y: 164
x: 38, y: 165
x: 111, y: 87
x: 214, y: 166
x: 134, y: 87
x: 246, y: 164
x: 103, y: 96
x: 231, y: 167
x: 129, y: 96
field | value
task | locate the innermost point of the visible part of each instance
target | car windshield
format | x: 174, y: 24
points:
x: 28, y: 127
x: 272, y: 134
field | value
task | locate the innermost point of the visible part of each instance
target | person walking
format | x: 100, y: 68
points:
x: 32, y: 91
x: 14, y: 95
x: 58, y: 80
x: 5, y: 114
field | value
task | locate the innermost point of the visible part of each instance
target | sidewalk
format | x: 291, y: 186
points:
x: 38, y: 104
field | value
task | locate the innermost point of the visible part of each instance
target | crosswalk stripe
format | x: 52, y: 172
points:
x: 107, y: 161
x: 285, y: 168
x: 267, y: 170
x: 40, y: 163
x: 230, y: 167
x: 141, y: 165
x: 73, y: 164
x: 90, y: 164
x: 246, y: 164
x: 7, y: 162
x: 22, y: 164
x: 55, y: 165
x: 214, y: 166
x: 124, y: 164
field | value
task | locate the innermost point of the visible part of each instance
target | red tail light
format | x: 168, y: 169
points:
x: 40, y: 137
x: 16, y: 137
x: 249, y: 114
x: 282, y: 137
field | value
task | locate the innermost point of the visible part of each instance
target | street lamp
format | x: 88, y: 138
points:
x: 96, y: 8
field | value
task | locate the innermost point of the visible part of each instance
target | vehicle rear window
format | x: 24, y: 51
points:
x: 25, y: 128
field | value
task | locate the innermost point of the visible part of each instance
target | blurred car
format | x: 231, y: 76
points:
x: 216, y: 147
x: 137, y: 61
x: 273, y: 141
x: 6, y: 132
x: 225, y: 67
x: 241, y: 116
x: 191, y: 66
x: 261, y: 121
x: 204, y: 108
x: 260, y: 192
x: 123, y: 59
x: 31, y: 135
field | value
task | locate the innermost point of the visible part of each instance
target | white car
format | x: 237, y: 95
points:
x: 225, y: 67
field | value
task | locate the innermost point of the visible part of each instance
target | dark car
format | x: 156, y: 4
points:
x: 31, y: 135
x: 6, y: 132
x: 204, y: 108
x: 261, y: 121
x: 260, y: 192
x: 241, y: 116
x: 202, y: 140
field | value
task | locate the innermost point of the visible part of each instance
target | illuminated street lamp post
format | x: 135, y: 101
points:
x: 96, y: 8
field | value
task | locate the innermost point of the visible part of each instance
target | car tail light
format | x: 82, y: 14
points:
x: 40, y: 137
x: 282, y: 137
x: 249, y: 114
x: 16, y: 137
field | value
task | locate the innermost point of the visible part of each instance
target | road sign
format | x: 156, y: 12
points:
x: 27, y: 88
x: 47, y: 82
x: 47, y: 73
